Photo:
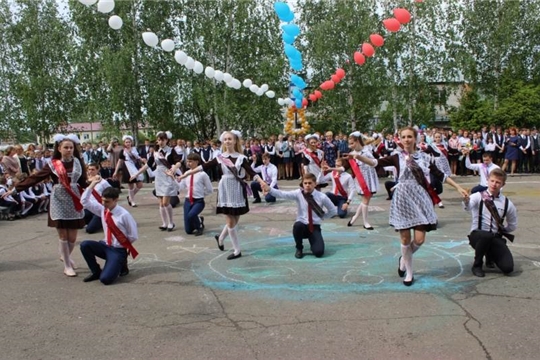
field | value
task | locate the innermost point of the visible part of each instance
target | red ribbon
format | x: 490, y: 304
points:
x: 96, y: 195
x: 119, y: 235
x: 313, y: 156
x: 65, y: 182
x: 360, y: 178
x: 339, y: 187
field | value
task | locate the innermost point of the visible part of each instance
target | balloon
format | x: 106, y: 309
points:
x: 376, y: 39
x: 260, y: 92
x: 230, y: 84
x: 198, y: 67
x: 254, y: 88
x: 88, y: 2
x: 304, y: 102
x: 116, y: 22
x: 190, y: 63
x: 280, y: 101
x: 283, y: 11
x: 292, y: 52
x: 105, y: 6
x: 335, y: 78
x: 391, y: 24
x: 298, y: 103
x: 312, y: 97
x: 297, y: 94
x: 218, y: 75
x: 167, y: 45
x: 296, y: 66
x: 402, y: 15
x: 209, y: 72
x: 227, y: 77
x: 291, y: 29
x: 327, y: 85
x: 288, y: 101
x: 180, y: 57
x: 150, y: 38
x: 247, y: 83
x: 359, y: 58
x: 318, y: 94
x: 237, y: 84
x: 368, y: 50
x: 340, y: 73
x: 264, y: 87
x: 270, y: 94
x: 287, y: 39
x: 298, y: 81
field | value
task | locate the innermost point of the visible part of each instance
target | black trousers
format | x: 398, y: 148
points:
x: 493, y: 246
x: 301, y: 232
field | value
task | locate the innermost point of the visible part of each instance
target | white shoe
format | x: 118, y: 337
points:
x: 70, y: 272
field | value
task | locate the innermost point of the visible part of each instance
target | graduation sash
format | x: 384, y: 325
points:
x: 360, y: 178
x: 339, y: 186
x: 421, y: 179
x: 313, y: 156
x: 119, y: 235
x: 64, y: 181
x: 232, y: 168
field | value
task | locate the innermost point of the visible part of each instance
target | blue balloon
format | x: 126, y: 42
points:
x: 292, y: 52
x: 287, y: 39
x: 298, y: 81
x: 298, y: 103
x: 297, y: 94
x: 297, y: 66
x: 283, y: 11
x: 291, y: 29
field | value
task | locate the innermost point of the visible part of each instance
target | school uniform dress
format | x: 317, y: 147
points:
x: 131, y: 165
x: 369, y: 172
x: 441, y: 161
x: 109, y: 249
x: 198, y: 186
x: 411, y: 203
x: 232, y: 194
x: 160, y: 162
x: 62, y: 212
x: 313, y: 166
x: 269, y: 174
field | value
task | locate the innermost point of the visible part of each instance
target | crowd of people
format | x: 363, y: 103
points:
x: 79, y: 185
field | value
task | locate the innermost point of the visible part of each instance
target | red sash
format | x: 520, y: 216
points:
x: 442, y: 149
x: 360, y: 178
x: 64, y: 181
x: 96, y: 195
x: 313, y: 156
x: 339, y: 186
x: 119, y: 235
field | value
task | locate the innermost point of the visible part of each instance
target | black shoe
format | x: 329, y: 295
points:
x: 125, y: 269
x: 129, y: 202
x: 257, y: 201
x: 198, y: 232
x: 368, y: 228
x: 408, y: 283
x: 490, y: 264
x: 169, y: 229
x: 202, y: 222
x: 92, y: 277
x: 389, y: 198
x: 477, y: 271
x: 299, y: 254
x: 349, y: 223
x: 221, y: 247
x: 233, y: 256
x: 162, y: 228
x: 400, y: 272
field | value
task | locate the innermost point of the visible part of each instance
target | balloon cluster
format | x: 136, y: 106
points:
x: 289, y: 35
x: 168, y: 45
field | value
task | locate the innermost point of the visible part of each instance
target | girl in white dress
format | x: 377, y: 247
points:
x: 130, y: 162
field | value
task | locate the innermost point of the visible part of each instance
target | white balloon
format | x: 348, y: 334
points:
x: 227, y: 77
x: 198, y: 67
x: 180, y: 57
x: 237, y: 84
x: 116, y: 22
x: 88, y: 2
x: 150, y: 38
x: 230, y: 84
x: 105, y: 6
x: 218, y: 75
x: 209, y: 72
x: 260, y: 92
x: 265, y: 87
x: 190, y: 63
x: 254, y: 88
x: 280, y: 101
x: 167, y: 45
x: 247, y: 83
x: 270, y: 94
x: 288, y: 101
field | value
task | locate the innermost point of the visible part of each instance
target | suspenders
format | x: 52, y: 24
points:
x: 480, y: 210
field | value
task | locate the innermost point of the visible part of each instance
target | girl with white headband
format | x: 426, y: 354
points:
x: 313, y: 157
x: 129, y: 162
x: 66, y: 169
x: 365, y: 174
x: 232, y: 189
x: 411, y: 210
x: 162, y: 160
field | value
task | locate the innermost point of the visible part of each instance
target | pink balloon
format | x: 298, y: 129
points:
x: 341, y: 73
x: 327, y: 85
x: 402, y: 15
x: 392, y: 24
x: 318, y: 94
x: 313, y: 97
x: 368, y: 50
x: 376, y: 39
x: 304, y: 102
x: 359, y: 58
x: 336, y: 79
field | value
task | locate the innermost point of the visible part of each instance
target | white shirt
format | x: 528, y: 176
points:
x: 268, y: 173
x: 488, y: 223
x: 121, y: 217
x: 202, y: 185
x: 345, y: 179
x: 302, y: 205
x: 482, y: 170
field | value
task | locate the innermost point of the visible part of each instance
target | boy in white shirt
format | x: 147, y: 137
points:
x: 269, y: 173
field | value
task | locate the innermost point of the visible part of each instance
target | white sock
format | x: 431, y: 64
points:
x: 414, y: 247
x: 224, y: 234
x: 64, y: 248
x: 406, y: 253
x: 71, y: 246
x: 132, y: 195
x: 356, y: 215
x: 365, y: 209
x: 163, y: 214
x: 169, y: 211
x: 234, y: 239
x: 27, y: 208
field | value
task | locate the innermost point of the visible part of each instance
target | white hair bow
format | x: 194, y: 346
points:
x: 58, y: 138
x: 237, y: 133
x: 167, y: 133
x: 357, y: 134
x: 125, y: 137
x: 309, y: 136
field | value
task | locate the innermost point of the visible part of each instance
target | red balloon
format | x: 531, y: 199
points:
x: 359, y: 58
x: 376, y: 40
x: 336, y: 79
x: 402, y: 15
x: 392, y: 24
x: 368, y: 50
x: 327, y: 85
x: 318, y: 94
x: 304, y: 102
x: 341, y: 73
x: 312, y: 97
